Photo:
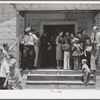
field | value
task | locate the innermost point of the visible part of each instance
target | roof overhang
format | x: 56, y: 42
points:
x: 79, y: 6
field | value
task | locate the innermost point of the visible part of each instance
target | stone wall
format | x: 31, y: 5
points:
x: 8, y: 25
x: 84, y: 18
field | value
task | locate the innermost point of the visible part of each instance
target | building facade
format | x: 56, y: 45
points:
x: 14, y: 18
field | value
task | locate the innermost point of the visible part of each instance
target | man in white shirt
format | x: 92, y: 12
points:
x: 29, y: 52
x: 95, y: 36
x: 4, y: 72
x: 95, y: 39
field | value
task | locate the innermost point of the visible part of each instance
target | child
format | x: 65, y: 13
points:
x: 76, y: 53
x: 66, y: 49
x: 15, y: 79
x: 85, y: 71
x: 87, y: 51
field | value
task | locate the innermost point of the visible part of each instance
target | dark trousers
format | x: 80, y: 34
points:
x: 21, y: 47
x: 44, y: 56
x: 2, y: 80
x: 88, y: 57
x: 28, y: 57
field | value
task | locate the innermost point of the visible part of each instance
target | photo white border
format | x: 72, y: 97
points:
x: 51, y: 93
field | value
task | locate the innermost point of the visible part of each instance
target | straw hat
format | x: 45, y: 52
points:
x: 84, y: 60
x: 95, y: 27
x: 28, y: 29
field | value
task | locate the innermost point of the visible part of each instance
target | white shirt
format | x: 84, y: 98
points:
x: 33, y: 39
x: 85, y: 68
x: 97, y: 37
x: 6, y: 55
x: 4, y: 68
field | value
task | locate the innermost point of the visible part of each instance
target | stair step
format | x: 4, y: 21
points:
x: 55, y: 77
x: 52, y: 71
x: 55, y: 71
x: 60, y: 82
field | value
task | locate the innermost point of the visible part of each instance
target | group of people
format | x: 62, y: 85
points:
x: 10, y: 77
x: 70, y: 51
x: 72, y: 48
x: 78, y: 51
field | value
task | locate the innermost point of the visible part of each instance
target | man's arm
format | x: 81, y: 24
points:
x: 13, y: 46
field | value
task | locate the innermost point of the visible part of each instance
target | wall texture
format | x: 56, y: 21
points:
x: 7, y: 25
x: 84, y: 18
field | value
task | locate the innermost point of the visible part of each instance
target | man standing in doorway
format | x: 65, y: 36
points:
x: 28, y: 52
x: 44, y: 46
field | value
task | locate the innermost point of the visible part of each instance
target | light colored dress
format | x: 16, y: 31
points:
x: 59, y: 48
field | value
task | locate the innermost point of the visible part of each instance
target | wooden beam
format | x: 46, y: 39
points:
x: 80, y: 6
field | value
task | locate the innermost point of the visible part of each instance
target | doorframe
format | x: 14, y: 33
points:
x: 59, y: 23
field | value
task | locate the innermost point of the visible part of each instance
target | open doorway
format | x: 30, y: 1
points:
x: 52, y: 31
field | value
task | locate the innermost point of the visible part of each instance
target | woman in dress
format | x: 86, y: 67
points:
x: 59, y: 44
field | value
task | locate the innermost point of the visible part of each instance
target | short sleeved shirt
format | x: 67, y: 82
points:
x: 4, y: 69
x: 85, y: 68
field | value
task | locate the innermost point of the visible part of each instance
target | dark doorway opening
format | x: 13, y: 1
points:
x: 52, y: 31
x: 55, y: 29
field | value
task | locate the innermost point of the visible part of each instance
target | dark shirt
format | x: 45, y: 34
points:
x: 85, y: 37
x: 44, y: 42
x: 66, y: 38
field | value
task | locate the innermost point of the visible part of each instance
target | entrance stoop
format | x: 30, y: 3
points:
x: 57, y: 79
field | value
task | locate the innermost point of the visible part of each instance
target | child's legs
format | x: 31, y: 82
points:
x: 86, y: 77
x: 94, y: 73
x: 65, y: 60
x: 68, y: 60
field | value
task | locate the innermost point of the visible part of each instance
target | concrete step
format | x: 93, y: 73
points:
x: 60, y: 82
x: 59, y: 85
x: 55, y: 77
x: 52, y: 71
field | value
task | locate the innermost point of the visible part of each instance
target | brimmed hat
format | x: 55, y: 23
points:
x: 28, y: 29
x: 84, y: 60
x: 95, y: 27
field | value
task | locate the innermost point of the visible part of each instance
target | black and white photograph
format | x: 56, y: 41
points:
x: 50, y: 46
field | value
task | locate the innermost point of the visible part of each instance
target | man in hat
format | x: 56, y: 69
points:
x: 28, y: 52
x: 95, y: 36
x: 95, y: 39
